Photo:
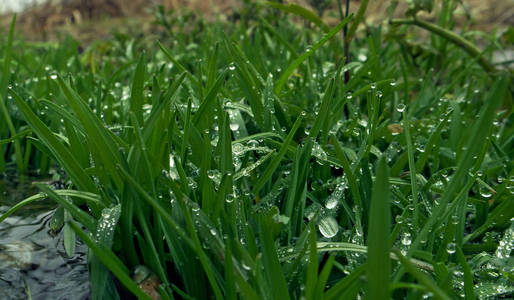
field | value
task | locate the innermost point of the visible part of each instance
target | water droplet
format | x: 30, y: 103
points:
x: 231, y: 67
x: 406, y: 239
x: 331, y: 203
x: 400, y: 107
x: 237, y: 149
x: 328, y: 227
x: 234, y: 126
x: 451, y: 248
x: 485, y: 192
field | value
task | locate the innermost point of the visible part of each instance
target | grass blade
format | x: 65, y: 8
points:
x: 379, y: 262
x: 290, y: 69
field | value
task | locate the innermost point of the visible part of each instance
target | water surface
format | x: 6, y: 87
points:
x: 32, y: 257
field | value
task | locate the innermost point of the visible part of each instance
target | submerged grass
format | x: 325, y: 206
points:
x: 235, y: 161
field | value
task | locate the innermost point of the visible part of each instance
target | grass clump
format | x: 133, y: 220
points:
x: 237, y: 162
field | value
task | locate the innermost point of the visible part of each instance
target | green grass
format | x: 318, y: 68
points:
x: 235, y: 160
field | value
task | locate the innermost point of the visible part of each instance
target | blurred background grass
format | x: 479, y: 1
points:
x: 90, y: 20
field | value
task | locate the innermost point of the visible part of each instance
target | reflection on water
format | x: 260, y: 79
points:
x: 32, y: 258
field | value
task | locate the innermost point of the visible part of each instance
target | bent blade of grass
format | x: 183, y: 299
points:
x: 379, y: 262
x: 60, y: 152
x: 85, y: 219
x: 90, y: 198
x: 299, y: 10
x: 422, y: 278
x: 15, y: 137
x: 290, y: 69
x: 105, y: 256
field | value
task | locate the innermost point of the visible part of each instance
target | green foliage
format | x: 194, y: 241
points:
x: 234, y: 161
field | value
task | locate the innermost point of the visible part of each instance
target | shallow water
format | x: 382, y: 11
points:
x: 32, y: 258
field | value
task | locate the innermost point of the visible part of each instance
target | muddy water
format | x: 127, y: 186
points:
x: 33, y: 263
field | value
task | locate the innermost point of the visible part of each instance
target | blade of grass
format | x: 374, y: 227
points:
x: 412, y: 168
x: 290, y: 69
x: 104, y: 255
x: 59, y: 151
x: 299, y: 10
x: 422, y: 278
x: 477, y: 134
x: 136, y: 94
x: 379, y: 262
x: 3, y: 88
x: 266, y: 175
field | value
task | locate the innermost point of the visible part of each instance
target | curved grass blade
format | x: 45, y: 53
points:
x: 85, y: 219
x: 15, y: 137
x: 61, y: 153
x: 422, y: 278
x: 105, y: 256
x: 90, y: 198
x: 290, y: 69
x: 298, y: 10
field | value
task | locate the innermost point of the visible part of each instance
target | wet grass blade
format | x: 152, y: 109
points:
x: 290, y: 69
x: 422, y: 278
x: 298, y: 10
x: 271, y: 264
x: 58, y: 149
x: 6, y: 74
x: 85, y: 219
x: 412, y: 168
x: 98, y: 136
x: 276, y: 160
x: 379, y: 262
x: 477, y: 134
x: 105, y: 256
x: 136, y: 95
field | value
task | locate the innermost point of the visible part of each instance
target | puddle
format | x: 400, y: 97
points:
x: 33, y: 263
